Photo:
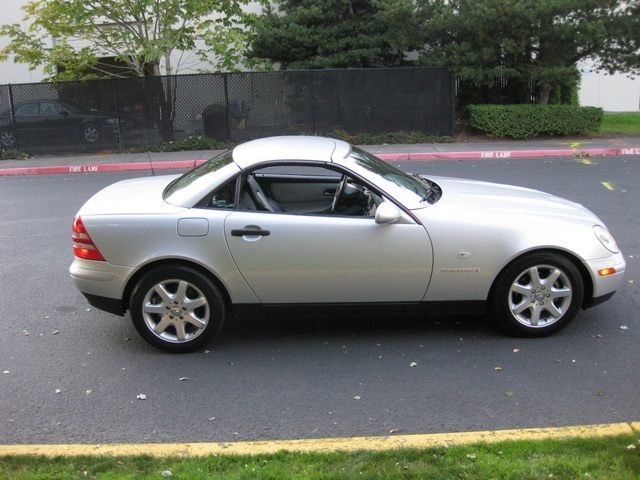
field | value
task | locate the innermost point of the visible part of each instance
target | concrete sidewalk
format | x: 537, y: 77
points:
x: 107, y: 161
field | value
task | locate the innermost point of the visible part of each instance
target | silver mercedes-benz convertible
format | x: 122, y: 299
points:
x: 311, y: 221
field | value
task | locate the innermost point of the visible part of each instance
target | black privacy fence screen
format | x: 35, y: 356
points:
x: 119, y: 114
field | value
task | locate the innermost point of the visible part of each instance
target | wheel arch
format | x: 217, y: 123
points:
x: 172, y: 262
x: 587, y: 280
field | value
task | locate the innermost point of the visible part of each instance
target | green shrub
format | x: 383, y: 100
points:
x: 205, y: 143
x: 391, y: 138
x: 13, y: 154
x: 527, y: 121
x: 188, y: 144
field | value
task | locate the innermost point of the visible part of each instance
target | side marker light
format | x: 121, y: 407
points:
x: 605, y: 272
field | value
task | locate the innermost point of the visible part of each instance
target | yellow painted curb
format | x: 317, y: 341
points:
x: 321, y: 444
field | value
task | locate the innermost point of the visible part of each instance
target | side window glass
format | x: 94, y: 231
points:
x: 306, y: 190
x: 223, y: 197
x: 48, y: 109
x: 27, y: 110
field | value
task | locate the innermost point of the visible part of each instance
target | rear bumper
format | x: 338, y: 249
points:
x: 101, y: 283
x: 109, y: 305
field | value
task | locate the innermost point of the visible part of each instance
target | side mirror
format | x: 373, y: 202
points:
x: 387, y: 213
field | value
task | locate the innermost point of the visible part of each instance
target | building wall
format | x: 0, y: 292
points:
x: 614, y: 93
x: 11, y: 72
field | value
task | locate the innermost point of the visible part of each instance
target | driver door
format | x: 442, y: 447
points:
x: 291, y: 258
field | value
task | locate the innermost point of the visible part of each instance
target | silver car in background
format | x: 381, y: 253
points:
x: 311, y: 221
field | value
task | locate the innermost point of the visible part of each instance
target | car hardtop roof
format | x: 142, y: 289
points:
x: 302, y: 148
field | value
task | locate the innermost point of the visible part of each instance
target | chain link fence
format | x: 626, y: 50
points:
x: 118, y: 114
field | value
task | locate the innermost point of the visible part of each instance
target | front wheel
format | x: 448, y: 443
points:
x: 177, y: 309
x: 91, y: 133
x: 537, y: 295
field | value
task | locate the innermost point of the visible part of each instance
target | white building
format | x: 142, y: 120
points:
x: 614, y: 93
x: 11, y: 72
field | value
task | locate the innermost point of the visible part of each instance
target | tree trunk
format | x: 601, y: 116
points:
x: 544, y: 92
x: 162, y: 99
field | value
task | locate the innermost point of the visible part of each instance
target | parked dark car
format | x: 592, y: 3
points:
x: 39, y: 122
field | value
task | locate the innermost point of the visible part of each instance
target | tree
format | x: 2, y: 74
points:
x: 522, y: 41
x: 141, y: 34
x: 312, y: 34
x: 73, y: 40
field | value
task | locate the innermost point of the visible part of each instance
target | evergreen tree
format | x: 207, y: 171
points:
x: 312, y: 34
x: 523, y: 40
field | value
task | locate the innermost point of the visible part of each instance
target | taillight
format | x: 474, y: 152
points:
x: 83, y: 246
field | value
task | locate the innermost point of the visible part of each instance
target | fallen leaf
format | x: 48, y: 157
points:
x: 25, y: 333
x: 88, y: 392
x: 413, y: 364
x: 510, y: 394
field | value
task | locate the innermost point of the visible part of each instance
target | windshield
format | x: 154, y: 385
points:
x: 391, y: 176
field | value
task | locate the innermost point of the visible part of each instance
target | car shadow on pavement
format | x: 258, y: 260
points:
x: 308, y: 323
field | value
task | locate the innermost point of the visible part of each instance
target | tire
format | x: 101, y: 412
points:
x: 177, y: 309
x: 537, y: 295
x: 7, y: 139
x: 90, y: 133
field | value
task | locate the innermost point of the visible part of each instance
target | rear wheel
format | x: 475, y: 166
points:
x: 177, y: 309
x: 7, y: 139
x: 537, y: 295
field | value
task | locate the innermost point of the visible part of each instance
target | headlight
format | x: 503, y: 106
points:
x: 605, y: 238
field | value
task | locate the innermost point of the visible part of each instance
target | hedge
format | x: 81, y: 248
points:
x: 527, y: 121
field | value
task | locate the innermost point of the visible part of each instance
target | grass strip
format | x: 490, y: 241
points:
x: 623, y: 123
x: 611, y: 457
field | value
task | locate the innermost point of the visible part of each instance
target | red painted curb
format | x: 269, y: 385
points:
x: 101, y: 168
x: 183, y: 164
x: 501, y: 154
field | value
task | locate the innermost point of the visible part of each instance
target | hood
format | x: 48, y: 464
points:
x: 134, y: 196
x: 505, y: 200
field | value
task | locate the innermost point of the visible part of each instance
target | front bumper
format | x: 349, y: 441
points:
x: 605, y: 286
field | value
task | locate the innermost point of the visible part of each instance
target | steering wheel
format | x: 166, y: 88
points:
x: 339, y: 191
